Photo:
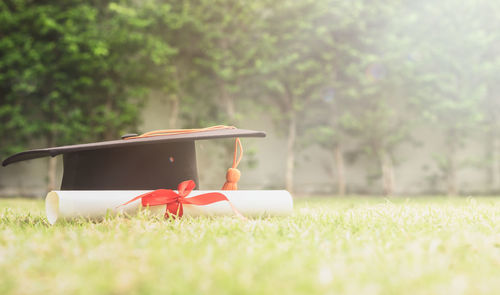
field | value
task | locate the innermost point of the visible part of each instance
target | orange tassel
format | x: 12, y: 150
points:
x: 233, y: 174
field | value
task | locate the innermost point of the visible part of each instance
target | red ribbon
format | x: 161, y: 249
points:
x: 175, y: 200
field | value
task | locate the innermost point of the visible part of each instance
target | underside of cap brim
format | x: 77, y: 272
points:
x: 203, y: 135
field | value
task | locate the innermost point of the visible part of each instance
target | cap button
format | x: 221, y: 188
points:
x: 129, y: 135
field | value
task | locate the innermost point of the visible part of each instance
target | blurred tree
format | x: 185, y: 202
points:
x: 227, y: 42
x: 366, y: 99
x: 293, y: 66
x: 330, y: 118
x: 490, y: 105
x: 453, y: 75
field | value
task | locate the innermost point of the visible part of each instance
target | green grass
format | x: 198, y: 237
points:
x: 328, y: 246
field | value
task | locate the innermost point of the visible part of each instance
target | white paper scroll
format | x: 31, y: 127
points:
x: 96, y: 204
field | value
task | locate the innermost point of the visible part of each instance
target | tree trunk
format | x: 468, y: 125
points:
x: 493, y: 162
x: 388, y: 181
x: 290, y: 159
x: 109, y: 133
x: 451, y: 177
x: 340, y: 170
x: 52, y: 165
x: 451, y: 162
x: 227, y: 101
x: 52, y: 171
x: 174, y: 111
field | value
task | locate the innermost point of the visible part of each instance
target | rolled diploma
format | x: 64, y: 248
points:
x: 96, y: 204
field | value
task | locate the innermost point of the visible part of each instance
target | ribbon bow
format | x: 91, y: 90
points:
x: 175, y: 200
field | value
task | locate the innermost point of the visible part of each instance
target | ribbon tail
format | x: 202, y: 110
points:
x: 236, y: 212
x: 210, y: 198
x: 134, y: 199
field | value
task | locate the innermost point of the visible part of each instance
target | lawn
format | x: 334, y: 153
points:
x: 328, y: 246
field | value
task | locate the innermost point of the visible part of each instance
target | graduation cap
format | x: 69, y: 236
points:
x: 154, y: 160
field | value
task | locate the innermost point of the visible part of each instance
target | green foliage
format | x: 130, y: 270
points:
x: 65, y: 76
x: 294, y: 63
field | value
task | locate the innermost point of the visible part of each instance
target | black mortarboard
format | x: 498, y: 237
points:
x: 137, y: 163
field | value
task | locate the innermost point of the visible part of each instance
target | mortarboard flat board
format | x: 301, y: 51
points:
x: 146, y: 163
